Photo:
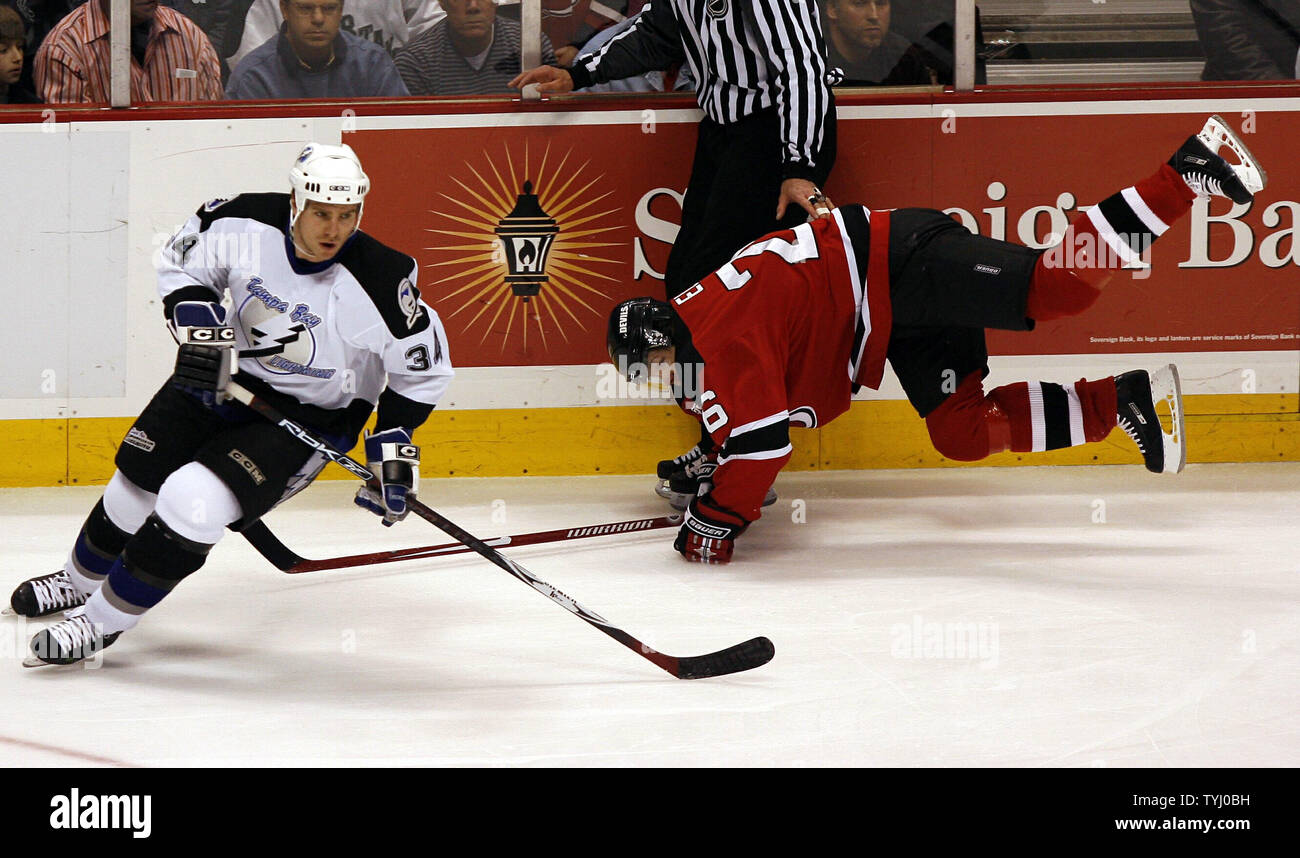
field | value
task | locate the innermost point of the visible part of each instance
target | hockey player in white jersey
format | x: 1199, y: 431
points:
x: 319, y: 319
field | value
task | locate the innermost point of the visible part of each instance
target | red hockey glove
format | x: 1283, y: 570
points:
x: 709, y: 533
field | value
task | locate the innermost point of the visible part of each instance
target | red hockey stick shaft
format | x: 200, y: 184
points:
x: 536, y: 538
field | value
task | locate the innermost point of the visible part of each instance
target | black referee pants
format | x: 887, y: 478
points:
x: 732, y: 196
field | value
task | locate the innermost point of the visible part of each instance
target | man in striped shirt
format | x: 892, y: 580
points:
x: 784, y: 333
x: 767, y: 141
x: 470, y: 52
x: 171, y: 58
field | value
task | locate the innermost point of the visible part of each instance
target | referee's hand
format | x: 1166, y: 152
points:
x: 807, y: 196
x: 547, y: 78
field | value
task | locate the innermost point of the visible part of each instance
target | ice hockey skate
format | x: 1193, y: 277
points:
x: 680, y: 478
x: 68, y: 641
x: 1137, y: 395
x: 1208, y: 174
x: 45, y: 595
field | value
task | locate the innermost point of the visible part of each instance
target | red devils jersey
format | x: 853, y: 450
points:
x: 785, y: 329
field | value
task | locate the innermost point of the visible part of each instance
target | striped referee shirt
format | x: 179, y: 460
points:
x: 748, y: 55
x: 430, y: 65
x: 73, y: 63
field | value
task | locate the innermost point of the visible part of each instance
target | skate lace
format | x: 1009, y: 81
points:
x: 1131, y: 430
x: 1203, y: 184
x: 689, y: 456
x: 55, y: 591
x: 74, y: 635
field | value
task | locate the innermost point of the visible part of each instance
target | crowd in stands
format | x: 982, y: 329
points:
x: 57, y: 51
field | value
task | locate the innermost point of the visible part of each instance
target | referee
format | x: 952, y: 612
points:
x: 764, y: 148
x: 767, y: 141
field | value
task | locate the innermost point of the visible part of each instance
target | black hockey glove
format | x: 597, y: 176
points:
x: 392, y: 457
x: 709, y: 533
x: 206, y: 358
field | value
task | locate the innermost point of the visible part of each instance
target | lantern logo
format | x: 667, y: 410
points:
x: 528, y: 236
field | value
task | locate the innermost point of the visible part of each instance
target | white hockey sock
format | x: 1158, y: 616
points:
x: 101, y: 612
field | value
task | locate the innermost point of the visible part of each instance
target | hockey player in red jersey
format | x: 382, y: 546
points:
x: 796, y: 321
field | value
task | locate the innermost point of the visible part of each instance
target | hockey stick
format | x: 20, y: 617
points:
x: 743, y: 656
x: 286, y: 560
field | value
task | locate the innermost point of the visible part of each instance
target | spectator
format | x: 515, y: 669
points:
x: 471, y: 52
x: 860, y: 44
x: 171, y: 59
x: 313, y: 58
x: 1249, y: 39
x: 13, y: 41
x: 39, y: 17
x: 651, y: 81
x: 222, y: 20
x: 575, y: 23
x: 391, y: 24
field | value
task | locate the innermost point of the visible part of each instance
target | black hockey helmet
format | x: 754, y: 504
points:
x: 636, y: 327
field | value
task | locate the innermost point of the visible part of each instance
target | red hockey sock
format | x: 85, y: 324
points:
x: 1070, y: 275
x: 967, y: 426
x: 1025, y: 417
x: 1047, y: 416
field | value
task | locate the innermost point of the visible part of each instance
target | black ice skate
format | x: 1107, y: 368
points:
x: 1138, y: 393
x: 68, y: 642
x: 1208, y: 174
x: 48, y: 594
x: 680, y: 478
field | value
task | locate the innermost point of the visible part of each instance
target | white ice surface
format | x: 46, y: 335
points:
x: 1165, y: 635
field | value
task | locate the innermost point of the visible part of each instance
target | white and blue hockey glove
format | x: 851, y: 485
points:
x: 206, y: 358
x: 392, y: 457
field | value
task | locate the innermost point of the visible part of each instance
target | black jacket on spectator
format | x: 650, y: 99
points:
x: 18, y: 95
x: 896, y: 62
x: 1248, y: 39
x: 221, y: 20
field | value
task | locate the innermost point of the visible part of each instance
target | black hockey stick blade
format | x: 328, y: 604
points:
x: 269, y: 546
x: 743, y: 656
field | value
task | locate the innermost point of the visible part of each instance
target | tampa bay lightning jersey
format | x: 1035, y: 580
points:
x: 327, y: 333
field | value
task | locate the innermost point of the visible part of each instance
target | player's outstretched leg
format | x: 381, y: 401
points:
x: 171, y: 545
x: 117, y: 515
x: 1117, y: 231
x: 1035, y: 416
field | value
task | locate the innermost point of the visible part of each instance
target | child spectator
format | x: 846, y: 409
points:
x: 38, y: 17
x: 13, y: 41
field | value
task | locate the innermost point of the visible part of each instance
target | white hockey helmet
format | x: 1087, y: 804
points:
x: 328, y: 174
